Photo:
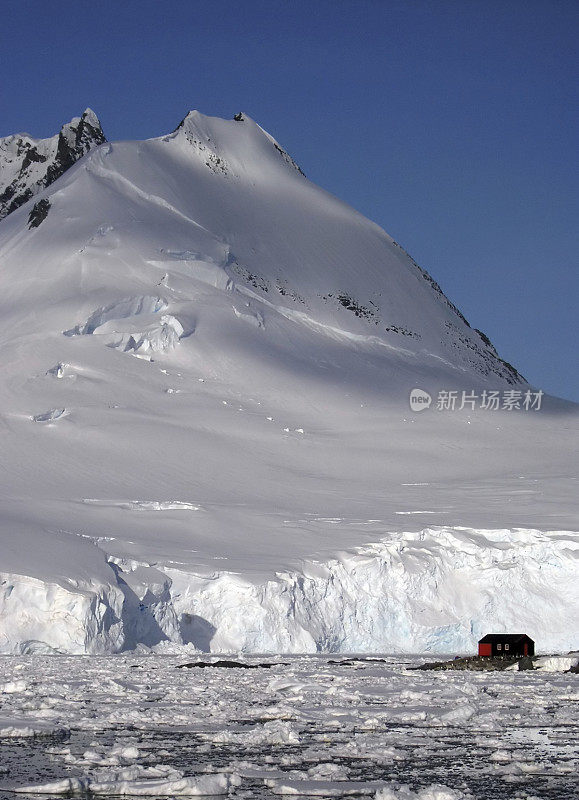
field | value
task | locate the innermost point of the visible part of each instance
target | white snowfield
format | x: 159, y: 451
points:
x: 206, y: 438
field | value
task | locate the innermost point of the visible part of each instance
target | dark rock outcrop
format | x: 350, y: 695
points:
x: 29, y: 165
x: 39, y: 213
x: 476, y: 664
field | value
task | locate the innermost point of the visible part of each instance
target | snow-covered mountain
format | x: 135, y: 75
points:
x: 29, y: 165
x: 207, y: 437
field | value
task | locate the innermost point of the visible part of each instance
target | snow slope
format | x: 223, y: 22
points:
x: 206, y: 436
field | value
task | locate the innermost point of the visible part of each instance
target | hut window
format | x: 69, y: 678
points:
x: 506, y: 647
x: 499, y: 647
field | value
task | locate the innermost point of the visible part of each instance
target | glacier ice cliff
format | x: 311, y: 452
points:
x: 438, y: 591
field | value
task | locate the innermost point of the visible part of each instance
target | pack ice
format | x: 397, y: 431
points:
x: 207, y: 442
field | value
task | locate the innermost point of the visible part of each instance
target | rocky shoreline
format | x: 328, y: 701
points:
x: 496, y: 664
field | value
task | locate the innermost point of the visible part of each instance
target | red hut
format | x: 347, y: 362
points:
x: 506, y: 644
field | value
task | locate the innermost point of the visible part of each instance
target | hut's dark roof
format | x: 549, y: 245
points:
x: 504, y: 637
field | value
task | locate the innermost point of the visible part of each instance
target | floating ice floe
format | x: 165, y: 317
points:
x: 12, y: 687
x: 322, y: 788
x: 16, y: 728
x: 355, y: 727
x: 327, y: 788
x: 276, y: 732
x: 97, y: 756
x: 137, y: 782
x: 435, y: 792
x: 557, y: 663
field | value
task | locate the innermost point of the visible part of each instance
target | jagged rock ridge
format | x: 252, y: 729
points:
x: 29, y: 165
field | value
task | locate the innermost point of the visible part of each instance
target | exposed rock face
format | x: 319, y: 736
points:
x: 29, y: 165
x: 477, y: 664
x: 39, y: 213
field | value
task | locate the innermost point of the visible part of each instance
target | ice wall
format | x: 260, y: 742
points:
x: 435, y: 591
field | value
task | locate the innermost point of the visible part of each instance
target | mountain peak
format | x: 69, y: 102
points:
x: 90, y: 116
x: 28, y: 165
x: 194, y: 123
x: 235, y: 146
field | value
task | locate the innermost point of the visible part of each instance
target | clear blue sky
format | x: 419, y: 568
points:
x: 451, y: 123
